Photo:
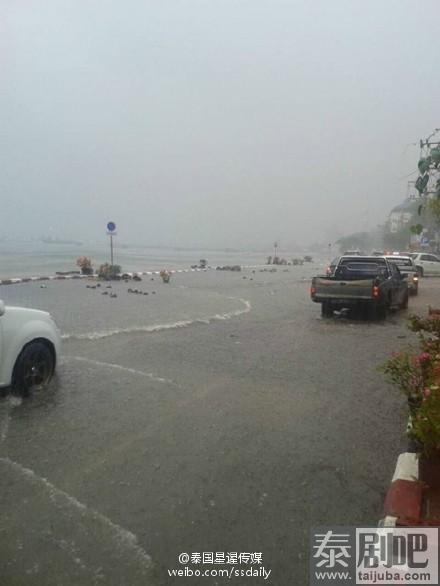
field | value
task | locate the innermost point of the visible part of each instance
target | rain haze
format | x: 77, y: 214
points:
x: 212, y: 124
x: 200, y: 377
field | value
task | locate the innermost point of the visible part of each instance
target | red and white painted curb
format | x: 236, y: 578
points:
x: 14, y: 281
x: 17, y: 280
x: 33, y: 279
x: 171, y: 271
x: 403, y: 502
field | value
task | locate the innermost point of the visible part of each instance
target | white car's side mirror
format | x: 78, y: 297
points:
x: 2, y: 307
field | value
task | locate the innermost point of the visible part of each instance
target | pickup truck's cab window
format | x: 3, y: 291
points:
x: 352, y: 268
x: 362, y: 267
x: 394, y: 270
x: 401, y: 262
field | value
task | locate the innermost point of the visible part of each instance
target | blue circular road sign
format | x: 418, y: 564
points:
x: 111, y: 226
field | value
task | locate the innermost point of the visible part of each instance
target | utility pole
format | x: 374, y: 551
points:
x: 428, y: 184
x: 427, y: 142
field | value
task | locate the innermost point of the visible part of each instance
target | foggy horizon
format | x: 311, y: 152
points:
x: 212, y: 124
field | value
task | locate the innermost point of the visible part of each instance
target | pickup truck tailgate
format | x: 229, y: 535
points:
x: 331, y: 288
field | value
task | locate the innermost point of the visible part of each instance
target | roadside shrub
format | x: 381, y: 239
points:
x: 416, y: 373
x: 426, y: 420
x: 85, y: 264
x: 109, y: 272
x: 405, y: 371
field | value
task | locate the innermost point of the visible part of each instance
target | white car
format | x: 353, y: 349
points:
x: 30, y: 344
x: 428, y: 265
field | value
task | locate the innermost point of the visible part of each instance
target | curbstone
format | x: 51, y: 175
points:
x: 404, y: 498
x: 407, y: 467
x: 404, y: 501
x: 388, y: 522
x: 14, y: 281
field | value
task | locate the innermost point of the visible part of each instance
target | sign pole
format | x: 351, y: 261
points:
x: 111, y: 231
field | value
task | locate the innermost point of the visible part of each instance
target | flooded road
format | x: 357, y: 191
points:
x: 224, y: 415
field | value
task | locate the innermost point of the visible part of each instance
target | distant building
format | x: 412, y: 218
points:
x: 401, y: 215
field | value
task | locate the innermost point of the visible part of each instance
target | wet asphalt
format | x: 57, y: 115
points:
x: 234, y: 434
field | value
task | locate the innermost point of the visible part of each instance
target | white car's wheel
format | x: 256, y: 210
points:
x: 34, y: 368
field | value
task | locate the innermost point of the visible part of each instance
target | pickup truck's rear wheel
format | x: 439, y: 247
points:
x: 326, y: 309
x: 381, y: 311
x: 378, y: 311
x: 34, y: 368
x: 404, y: 304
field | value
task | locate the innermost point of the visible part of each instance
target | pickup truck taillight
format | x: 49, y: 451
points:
x: 312, y: 291
x: 376, y: 292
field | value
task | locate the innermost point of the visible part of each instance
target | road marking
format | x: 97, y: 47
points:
x: 122, y: 537
x: 123, y: 368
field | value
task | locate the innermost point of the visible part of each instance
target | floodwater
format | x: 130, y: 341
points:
x: 27, y: 259
x: 220, y: 414
x: 85, y: 312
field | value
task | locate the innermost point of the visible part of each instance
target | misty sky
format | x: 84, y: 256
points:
x: 212, y: 122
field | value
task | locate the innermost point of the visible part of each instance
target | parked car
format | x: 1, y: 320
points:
x: 428, y: 265
x: 29, y: 348
x: 367, y: 282
x: 408, y: 269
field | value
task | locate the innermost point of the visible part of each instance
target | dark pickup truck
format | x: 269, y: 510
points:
x: 365, y: 282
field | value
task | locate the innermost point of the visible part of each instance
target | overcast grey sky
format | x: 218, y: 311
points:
x: 212, y: 122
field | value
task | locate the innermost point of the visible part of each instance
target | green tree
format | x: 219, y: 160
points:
x: 357, y: 241
x: 434, y: 210
x: 399, y: 240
